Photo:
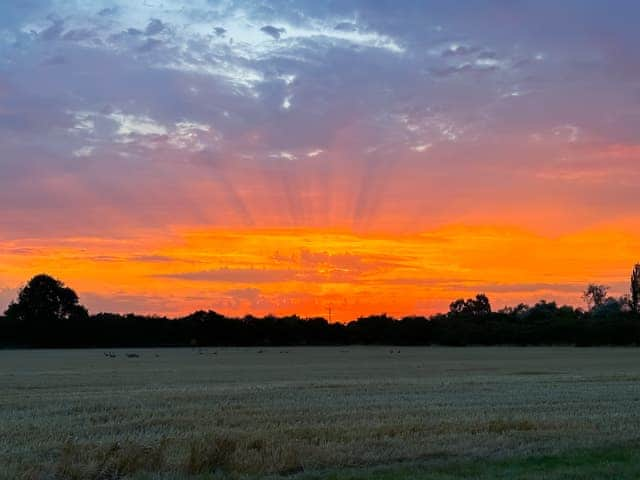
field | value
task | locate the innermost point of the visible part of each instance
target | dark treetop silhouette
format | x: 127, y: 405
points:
x: 48, y: 314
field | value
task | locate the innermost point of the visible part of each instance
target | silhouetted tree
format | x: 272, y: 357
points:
x: 610, y: 307
x: 480, y: 305
x: 626, y: 305
x: 473, y: 306
x: 46, y: 300
x: 635, y: 288
x: 518, y: 310
x: 595, y: 295
x: 48, y: 314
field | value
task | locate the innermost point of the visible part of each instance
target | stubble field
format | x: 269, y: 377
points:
x: 335, y: 412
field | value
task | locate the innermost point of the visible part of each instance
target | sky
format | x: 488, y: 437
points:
x: 284, y: 157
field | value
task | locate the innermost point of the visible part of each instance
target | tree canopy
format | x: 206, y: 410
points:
x: 46, y: 299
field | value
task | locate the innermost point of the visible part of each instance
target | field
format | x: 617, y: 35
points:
x: 311, y: 413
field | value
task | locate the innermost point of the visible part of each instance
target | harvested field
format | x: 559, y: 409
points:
x: 335, y: 412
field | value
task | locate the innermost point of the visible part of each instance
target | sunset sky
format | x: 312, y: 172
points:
x: 163, y: 156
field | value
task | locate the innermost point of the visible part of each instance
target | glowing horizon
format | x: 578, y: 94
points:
x: 308, y: 272
x: 256, y: 159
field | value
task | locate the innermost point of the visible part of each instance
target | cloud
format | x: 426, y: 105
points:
x: 150, y: 44
x: 122, y: 302
x: 315, y: 152
x: 570, y: 132
x: 273, y: 32
x: 54, y: 31
x: 487, y: 55
x: 144, y: 131
x: 422, y: 147
x: 251, y: 295
x: 235, y: 275
x: 568, y: 287
x: 346, y: 27
x: 284, y: 156
x: 155, y: 26
x: 477, y: 67
x: 188, y: 136
x: 109, y: 11
x: 460, y: 50
x: 84, y: 122
x: 151, y: 258
x: 77, y: 35
x: 314, y: 263
x: 128, y: 125
x: 84, y: 151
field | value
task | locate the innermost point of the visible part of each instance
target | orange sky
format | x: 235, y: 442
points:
x: 306, y: 271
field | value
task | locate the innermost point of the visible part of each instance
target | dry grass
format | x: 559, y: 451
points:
x: 114, y: 461
x: 181, y: 412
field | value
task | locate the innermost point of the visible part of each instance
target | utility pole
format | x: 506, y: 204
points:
x: 635, y: 288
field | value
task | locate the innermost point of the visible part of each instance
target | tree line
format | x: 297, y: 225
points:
x: 48, y: 314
